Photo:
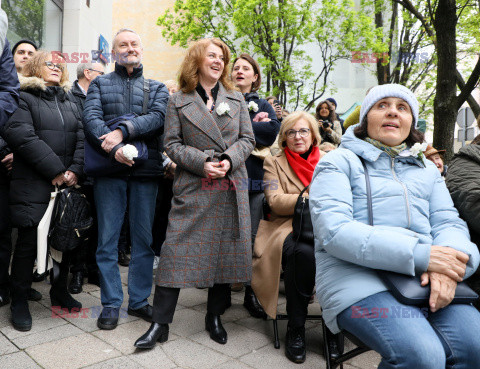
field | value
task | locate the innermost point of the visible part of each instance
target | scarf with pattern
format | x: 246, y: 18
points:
x: 392, y: 151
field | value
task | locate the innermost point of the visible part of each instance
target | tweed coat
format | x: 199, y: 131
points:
x: 282, y: 192
x: 208, y: 235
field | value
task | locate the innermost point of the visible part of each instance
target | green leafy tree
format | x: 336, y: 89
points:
x: 25, y: 18
x: 451, y: 28
x: 283, y: 35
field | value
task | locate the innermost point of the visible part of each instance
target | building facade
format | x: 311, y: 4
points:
x: 72, y: 27
x: 161, y: 61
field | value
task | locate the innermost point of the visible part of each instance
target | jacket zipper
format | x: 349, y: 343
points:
x: 404, y: 191
x: 64, y: 135
x: 128, y: 95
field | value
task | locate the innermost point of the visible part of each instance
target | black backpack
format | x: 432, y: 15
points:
x: 71, y: 220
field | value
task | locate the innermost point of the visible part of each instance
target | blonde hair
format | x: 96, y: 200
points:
x: 33, y: 68
x: 290, y: 120
x: 196, y: 53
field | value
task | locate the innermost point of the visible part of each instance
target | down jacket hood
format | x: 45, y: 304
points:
x: 35, y: 84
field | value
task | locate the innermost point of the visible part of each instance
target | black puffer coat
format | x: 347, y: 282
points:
x: 46, y: 137
x: 463, y: 182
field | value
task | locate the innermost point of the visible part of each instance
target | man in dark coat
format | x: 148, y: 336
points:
x: 83, y: 258
x: 9, y: 87
x: 112, y: 96
x: 463, y: 182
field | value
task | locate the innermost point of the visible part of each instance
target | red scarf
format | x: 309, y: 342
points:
x: 303, y: 168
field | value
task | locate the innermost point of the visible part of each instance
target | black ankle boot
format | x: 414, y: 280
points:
x: 156, y: 333
x: 251, y: 303
x: 335, y: 344
x: 59, y: 295
x: 295, y: 344
x: 76, y: 283
x: 21, y: 318
x: 213, y: 324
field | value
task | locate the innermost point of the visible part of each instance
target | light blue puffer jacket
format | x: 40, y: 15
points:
x: 412, y: 210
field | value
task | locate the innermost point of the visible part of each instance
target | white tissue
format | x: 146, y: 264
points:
x: 130, y: 152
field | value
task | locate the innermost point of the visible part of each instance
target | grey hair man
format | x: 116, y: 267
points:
x: 82, y: 261
x: 112, y: 96
x: 86, y: 73
x: 127, y: 48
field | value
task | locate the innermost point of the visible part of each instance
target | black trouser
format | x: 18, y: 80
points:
x: 22, y: 263
x: 5, y: 236
x: 78, y: 259
x: 165, y: 302
x: 91, y: 247
x: 162, y: 209
x: 298, y: 262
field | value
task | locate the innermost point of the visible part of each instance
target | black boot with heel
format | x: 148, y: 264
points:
x: 59, y: 295
x: 214, y: 326
x: 156, y: 333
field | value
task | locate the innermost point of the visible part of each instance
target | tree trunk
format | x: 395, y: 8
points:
x: 444, y: 107
x: 382, y: 70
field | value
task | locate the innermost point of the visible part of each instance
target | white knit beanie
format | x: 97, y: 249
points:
x: 389, y: 90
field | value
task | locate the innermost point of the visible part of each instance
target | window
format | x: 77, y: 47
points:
x: 39, y: 21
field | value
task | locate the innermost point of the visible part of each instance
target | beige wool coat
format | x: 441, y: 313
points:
x: 281, y: 194
x: 208, y: 237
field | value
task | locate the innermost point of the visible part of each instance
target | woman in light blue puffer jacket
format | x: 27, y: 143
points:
x: 416, y: 230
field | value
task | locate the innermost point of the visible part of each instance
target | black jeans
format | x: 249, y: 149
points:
x: 5, y: 236
x: 165, y: 301
x: 298, y: 262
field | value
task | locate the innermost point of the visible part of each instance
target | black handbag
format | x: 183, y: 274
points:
x: 71, y: 220
x: 302, y: 222
x: 407, y: 289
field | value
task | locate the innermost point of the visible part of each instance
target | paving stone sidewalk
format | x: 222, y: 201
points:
x: 76, y: 342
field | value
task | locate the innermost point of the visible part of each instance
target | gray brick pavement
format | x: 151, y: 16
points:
x: 76, y: 342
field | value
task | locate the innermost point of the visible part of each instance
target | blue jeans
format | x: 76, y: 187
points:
x: 415, y: 338
x: 111, y: 196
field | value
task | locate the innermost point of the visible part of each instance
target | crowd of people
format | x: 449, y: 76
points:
x: 212, y: 203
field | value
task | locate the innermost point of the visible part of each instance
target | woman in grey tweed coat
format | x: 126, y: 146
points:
x: 208, y: 134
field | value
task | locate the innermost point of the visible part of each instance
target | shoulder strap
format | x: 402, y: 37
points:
x: 146, y: 92
x: 369, y: 192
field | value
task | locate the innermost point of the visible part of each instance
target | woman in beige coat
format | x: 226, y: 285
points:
x: 286, y: 175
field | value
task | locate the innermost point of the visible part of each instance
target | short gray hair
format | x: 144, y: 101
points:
x: 81, y: 68
x: 121, y: 30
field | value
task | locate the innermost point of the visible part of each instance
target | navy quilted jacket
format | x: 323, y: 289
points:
x: 118, y: 93
x: 265, y: 134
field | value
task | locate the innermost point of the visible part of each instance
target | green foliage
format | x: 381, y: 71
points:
x: 25, y: 18
x: 282, y: 35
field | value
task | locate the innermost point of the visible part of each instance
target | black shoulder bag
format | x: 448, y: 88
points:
x: 405, y: 288
x: 302, y: 222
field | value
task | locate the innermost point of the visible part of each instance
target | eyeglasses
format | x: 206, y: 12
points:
x: 291, y: 133
x: 99, y: 72
x: 52, y: 66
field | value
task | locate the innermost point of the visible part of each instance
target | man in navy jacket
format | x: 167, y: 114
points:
x: 108, y: 97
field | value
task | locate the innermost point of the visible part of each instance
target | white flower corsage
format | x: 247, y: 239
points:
x: 223, y: 108
x: 416, y: 150
x: 253, y: 106
x: 130, y: 152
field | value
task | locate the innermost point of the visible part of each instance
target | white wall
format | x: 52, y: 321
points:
x: 82, y: 27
